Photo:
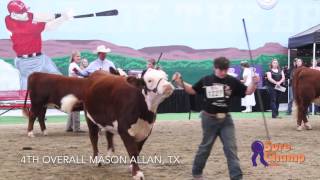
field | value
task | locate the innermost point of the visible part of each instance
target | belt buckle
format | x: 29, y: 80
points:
x: 221, y: 116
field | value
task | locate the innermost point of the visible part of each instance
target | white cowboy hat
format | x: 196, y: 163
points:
x: 103, y: 49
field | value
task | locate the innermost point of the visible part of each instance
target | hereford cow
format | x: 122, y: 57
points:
x: 116, y: 106
x: 49, y: 89
x: 306, y: 88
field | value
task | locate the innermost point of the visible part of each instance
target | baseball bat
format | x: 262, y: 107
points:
x: 103, y: 13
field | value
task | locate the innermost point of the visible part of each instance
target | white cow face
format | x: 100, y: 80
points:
x: 157, y: 82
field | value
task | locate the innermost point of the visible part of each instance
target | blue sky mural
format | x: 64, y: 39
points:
x: 195, y: 23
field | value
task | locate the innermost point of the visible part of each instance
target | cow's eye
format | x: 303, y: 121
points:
x: 149, y: 81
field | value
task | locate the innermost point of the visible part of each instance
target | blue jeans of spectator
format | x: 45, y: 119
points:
x: 212, y: 128
x: 289, y: 110
x: 274, y: 101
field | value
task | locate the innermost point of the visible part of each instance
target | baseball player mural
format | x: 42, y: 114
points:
x: 25, y: 30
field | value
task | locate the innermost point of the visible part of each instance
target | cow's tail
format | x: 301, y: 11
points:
x: 295, y: 84
x: 296, y: 78
x: 25, y: 109
x: 68, y: 102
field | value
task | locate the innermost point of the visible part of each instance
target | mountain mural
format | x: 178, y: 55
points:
x: 59, y: 48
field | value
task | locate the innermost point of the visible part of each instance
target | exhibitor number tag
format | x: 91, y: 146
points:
x: 215, y: 91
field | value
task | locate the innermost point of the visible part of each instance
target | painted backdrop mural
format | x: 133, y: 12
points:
x: 188, y: 33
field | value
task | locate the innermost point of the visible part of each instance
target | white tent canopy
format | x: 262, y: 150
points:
x: 9, y: 77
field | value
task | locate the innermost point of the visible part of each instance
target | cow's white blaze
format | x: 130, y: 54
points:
x: 156, y: 79
x: 140, y: 130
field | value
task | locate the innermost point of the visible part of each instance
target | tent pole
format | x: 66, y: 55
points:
x: 314, y: 55
x: 289, y: 74
x: 313, y: 66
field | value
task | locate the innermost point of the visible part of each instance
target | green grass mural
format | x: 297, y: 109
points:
x: 191, y: 70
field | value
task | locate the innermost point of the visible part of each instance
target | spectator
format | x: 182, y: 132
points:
x: 296, y: 63
x: 275, y: 78
x: 249, y: 100
x: 84, y: 63
x: 151, y: 63
x: 73, y: 123
x: 101, y: 63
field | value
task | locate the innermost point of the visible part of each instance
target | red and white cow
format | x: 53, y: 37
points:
x: 116, y: 106
x: 306, y: 89
x: 49, y: 89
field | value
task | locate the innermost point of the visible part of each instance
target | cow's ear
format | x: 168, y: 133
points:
x: 131, y: 80
x: 113, y: 71
x: 137, y: 82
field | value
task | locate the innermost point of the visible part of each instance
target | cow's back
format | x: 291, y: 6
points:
x: 51, y: 88
x: 112, y: 97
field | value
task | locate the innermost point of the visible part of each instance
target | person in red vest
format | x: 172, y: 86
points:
x: 25, y: 30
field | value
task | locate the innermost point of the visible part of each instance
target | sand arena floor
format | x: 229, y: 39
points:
x: 175, y: 139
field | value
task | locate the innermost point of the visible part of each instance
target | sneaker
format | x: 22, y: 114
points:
x: 299, y: 128
x: 79, y: 131
x: 308, y: 126
x: 69, y: 130
x: 288, y: 113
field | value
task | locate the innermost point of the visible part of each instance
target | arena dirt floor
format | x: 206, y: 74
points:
x: 169, y: 139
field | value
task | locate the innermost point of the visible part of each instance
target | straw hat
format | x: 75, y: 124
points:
x: 103, y: 49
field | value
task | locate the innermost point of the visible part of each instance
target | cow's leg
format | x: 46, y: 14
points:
x: 32, y: 118
x: 34, y: 113
x: 41, y: 119
x: 109, y: 137
x: 302, y: 114
x: 93, y: 133
x: 306, y: 105
x: 133, y: 152
x: 140, y: 145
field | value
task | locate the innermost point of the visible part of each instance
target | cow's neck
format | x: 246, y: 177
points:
x: 153, y: 101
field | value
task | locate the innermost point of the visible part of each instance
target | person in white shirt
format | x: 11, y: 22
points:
x: 73, y: 123
x: 249, y: 100
x: 102, y: 63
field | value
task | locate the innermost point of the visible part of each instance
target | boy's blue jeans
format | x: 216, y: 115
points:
x: 212, y: 128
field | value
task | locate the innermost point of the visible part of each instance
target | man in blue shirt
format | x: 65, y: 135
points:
x: 99, y: 64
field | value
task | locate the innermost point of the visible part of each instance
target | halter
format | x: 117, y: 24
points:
x: 155, y: 90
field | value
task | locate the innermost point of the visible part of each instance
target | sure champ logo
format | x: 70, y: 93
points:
x: 274, y: 154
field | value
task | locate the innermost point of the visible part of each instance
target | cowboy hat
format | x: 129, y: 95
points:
x: 103, y: 49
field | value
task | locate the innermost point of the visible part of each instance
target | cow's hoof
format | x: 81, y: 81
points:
x: 308, y: 126
x: 138, y: 176
x: 130, y: 168
x: 45, y: 132
x: 109, y: 152
x: 30, y: 134
x: 299, y: 128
